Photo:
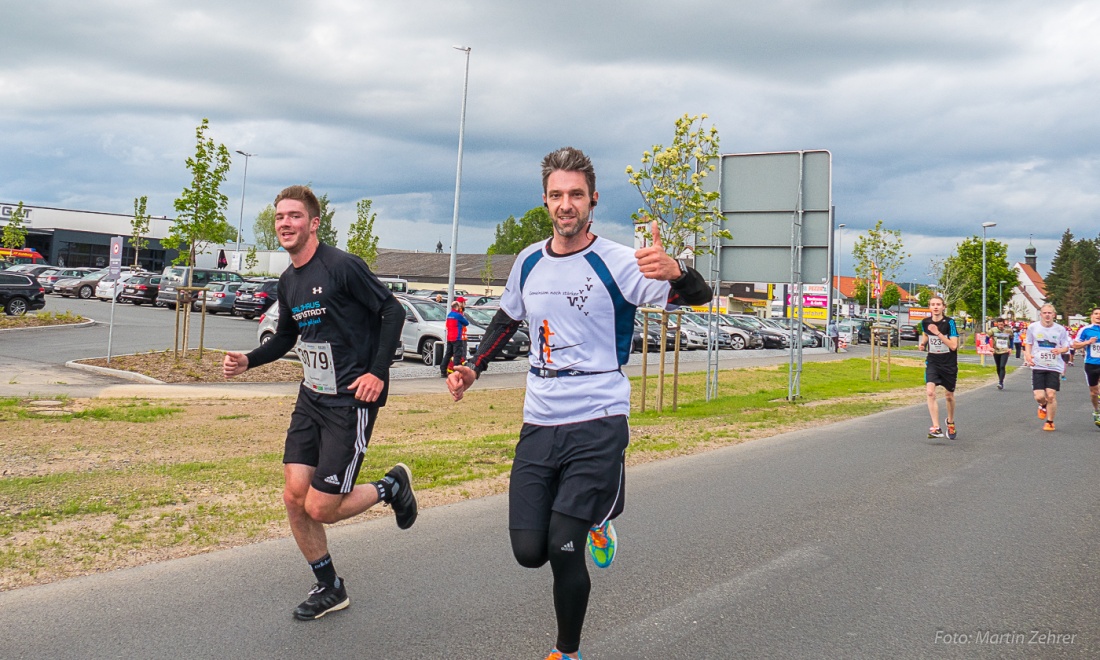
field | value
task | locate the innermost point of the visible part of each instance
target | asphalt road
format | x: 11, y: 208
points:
x: 858, y: 540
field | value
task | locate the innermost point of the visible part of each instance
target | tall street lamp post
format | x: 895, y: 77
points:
x: 985, y: 226
x: 240, y: 223
x: 839, y: 256
x: 1001, y: 297
x: 458, y: 181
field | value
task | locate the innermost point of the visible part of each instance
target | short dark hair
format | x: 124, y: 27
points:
x: 569, y: 159
x: 304, y: 195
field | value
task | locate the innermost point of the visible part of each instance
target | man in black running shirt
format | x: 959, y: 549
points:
x: 344, y: 324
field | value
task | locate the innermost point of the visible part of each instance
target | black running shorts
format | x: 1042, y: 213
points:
x: 333, y: 440
x: 578, y: 470
x: 942, y: 374
x: 1092, y: 374
x: 1041, y: 379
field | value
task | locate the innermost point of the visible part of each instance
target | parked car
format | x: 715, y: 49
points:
x: 80, y: 287
x: 520, y: 343
x: 885, y: 333
x: 107, y: 288
x: 426, y: 325
x: 699, y: 323
x: 772, y: 336
x: 47, y: 279
x: 30, y: 269
x: 742, y: 335
x: 269, y: 321
x: 807, y: 338
x: 141, y: 289
x: 254, y: 297
x: 653, y: 338
x: 178, y: 276
x: 20, y: 293
x: 220, y: 297
x: 483, y: 301
x: 817, y: 337
x: 857, y: 331
x: 908, y: 332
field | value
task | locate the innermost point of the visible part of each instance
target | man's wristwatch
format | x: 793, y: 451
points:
x: 683, y: 272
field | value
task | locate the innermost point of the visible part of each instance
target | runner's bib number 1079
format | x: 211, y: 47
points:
x: 318, y: 373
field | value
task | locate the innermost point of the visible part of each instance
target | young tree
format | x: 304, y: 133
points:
x: 513, y: 235
x: 950, y: 281
x: 251, y: 259
x: 264, y: 229
x: 487, y: 270
x: 326, y: 233
x: 15, y: 233
x: 924, y: 296
x: 670, y: 182
x: 879, y: 250
x: 201, y: 207
x: 140, y: 227
x: 361, y: 238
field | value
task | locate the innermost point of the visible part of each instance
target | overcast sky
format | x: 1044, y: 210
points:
x: 939, y: 115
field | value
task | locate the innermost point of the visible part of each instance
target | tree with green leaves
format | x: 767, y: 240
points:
x: 361, y: 238
x: 140, y: 227
x: 967, y: 259
x: 326, y: 232
x: 251, y: 259
x: 879, y: 250
x: 924, y: 296
x: 891, y: 294
x: 1073, y: 283
x: 513, y: 235
x: 670, y: 181
x: 15, y: 232
x: 200, y: 208
x: 264, y: 229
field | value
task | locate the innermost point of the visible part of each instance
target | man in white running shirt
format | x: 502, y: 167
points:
x: 1046, y: 342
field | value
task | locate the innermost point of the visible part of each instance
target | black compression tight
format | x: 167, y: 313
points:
x: 1000, y: 359
x: 533, y: 547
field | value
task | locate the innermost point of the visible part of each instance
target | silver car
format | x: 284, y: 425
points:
x: 269, y: 321
x: 426, y: 326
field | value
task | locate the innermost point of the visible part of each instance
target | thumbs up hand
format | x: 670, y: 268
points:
x: 653, y: 262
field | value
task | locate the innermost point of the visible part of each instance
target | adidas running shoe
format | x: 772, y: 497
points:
x: 322, y: 600
x: 951, y: 430
x: 404, y: 500
x: 935, y: 432
x: 602, y: 544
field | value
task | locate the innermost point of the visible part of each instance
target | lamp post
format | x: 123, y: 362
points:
x: 839, y: 256
x: 240, y: 223
x: 985, y: 226
x: 458, y: 180
x: 1001, y: 297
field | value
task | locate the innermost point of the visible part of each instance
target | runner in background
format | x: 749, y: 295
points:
x: 1088, y: 340
x: 1000, y: 340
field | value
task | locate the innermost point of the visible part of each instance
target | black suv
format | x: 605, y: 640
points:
x: 253, y: 298
x: 20, y: 293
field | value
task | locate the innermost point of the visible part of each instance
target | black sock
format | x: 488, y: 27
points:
x: 387, y: 488
x: 325, y: 572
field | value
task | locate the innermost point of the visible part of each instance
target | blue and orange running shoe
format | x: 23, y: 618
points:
x: 601, y: 544
x: 558, y: 655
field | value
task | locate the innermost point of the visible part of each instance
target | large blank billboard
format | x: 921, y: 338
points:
x: 762, y: 197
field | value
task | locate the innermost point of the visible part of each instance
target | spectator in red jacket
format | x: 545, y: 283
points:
x: 456, y: 337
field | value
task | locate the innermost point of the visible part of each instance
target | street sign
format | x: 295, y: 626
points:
x: 116, y: 257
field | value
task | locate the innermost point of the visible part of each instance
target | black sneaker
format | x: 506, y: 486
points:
x: 322, y: 600
x: 404, y: 502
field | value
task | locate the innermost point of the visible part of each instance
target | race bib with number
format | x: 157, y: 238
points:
x: 318, y: 373
x: 1000, y: 342
x: 1046, y: 357
x: 1094, y: 350
x: 937, y: 345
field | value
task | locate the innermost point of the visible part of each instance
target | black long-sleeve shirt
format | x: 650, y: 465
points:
x: 342, y: 321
